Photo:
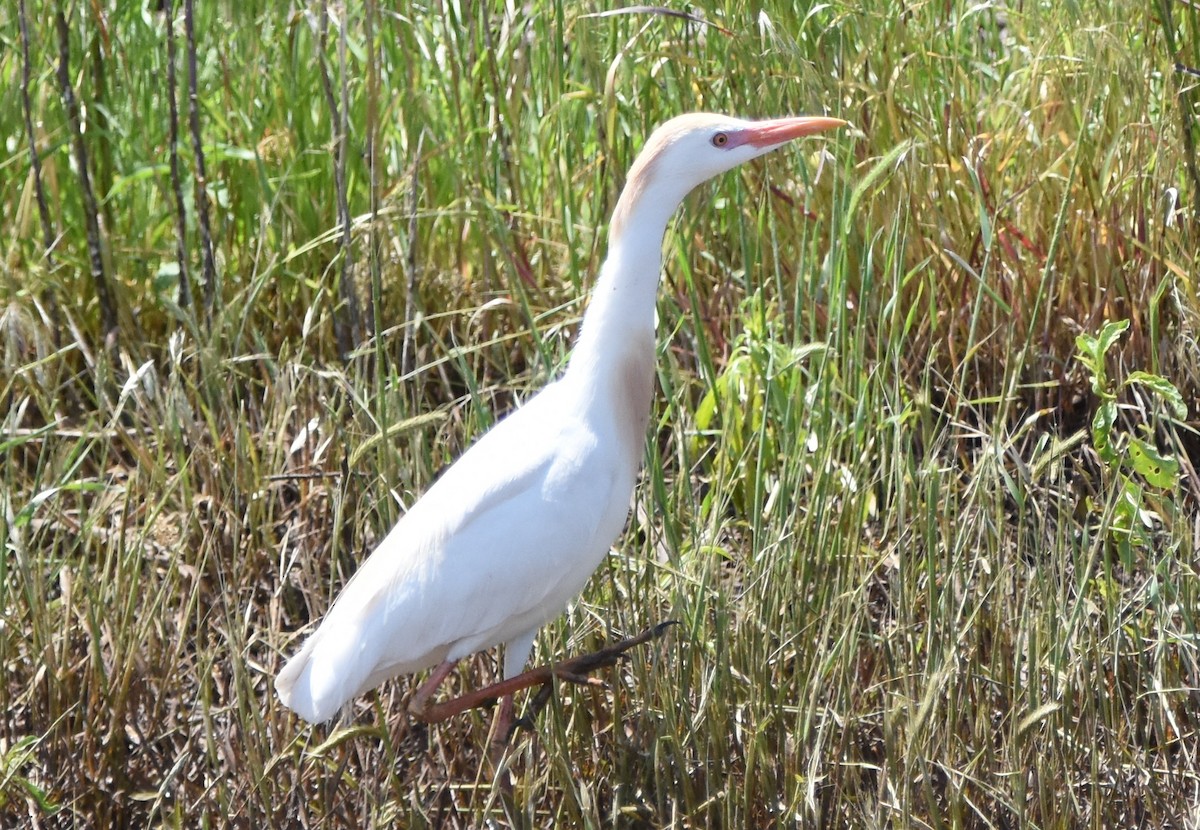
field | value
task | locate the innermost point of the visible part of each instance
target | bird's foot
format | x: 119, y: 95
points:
x: 579, y: 679
x: 574, y: 670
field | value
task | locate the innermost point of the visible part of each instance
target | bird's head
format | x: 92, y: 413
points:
x: 691, y: 149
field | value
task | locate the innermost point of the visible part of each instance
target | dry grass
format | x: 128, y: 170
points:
x: 913, y: 591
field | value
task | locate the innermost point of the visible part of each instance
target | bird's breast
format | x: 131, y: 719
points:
x: 632, y: 389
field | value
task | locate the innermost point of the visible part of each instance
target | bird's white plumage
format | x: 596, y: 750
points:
x: 511, y: 531
x: 546, y: 502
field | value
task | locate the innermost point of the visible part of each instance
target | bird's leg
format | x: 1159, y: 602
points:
x: 502, y: 728
x: 504, y: 720
x: 532, y: 709
x: 573, y: 670
x: 420, y: 705
x: 576, y: 669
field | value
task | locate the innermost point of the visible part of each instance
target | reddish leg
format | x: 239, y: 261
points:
x: 573, y: 670
x: 421, y: 708
x: 420, y: 705
x: 501, y: 726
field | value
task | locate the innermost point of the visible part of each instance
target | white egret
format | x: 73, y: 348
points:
x: 513, y: 529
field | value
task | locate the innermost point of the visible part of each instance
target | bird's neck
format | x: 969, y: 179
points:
x: 621, y: 310
x: 612, y: 367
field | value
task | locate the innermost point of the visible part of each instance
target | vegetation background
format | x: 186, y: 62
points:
x: 929, y: 525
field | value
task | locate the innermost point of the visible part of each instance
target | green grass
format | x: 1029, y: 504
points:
x: 914, y: 588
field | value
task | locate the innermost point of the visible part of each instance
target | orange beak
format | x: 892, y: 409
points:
x: 779, y: 130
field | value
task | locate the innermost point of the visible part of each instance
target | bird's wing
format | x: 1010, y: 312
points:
x: 495, y: 548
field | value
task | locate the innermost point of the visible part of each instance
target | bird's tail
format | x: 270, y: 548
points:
x: 294, y: 685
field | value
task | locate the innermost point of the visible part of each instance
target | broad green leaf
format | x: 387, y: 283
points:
x: 1087, y: 346
x: 1090, y: 356
x: 1129, y: 503
x: 1092, y: 350
x: 1158, y: 469
x: 1102, y: 425
x: 1111, y: 332
x: 1164, y: 389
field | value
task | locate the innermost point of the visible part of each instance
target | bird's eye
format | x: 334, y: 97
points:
x: 720, y: 140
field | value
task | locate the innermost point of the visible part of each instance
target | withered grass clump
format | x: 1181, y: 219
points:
x: 920, y: 583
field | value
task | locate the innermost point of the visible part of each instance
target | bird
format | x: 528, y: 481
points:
x: 512, y: 530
